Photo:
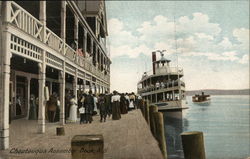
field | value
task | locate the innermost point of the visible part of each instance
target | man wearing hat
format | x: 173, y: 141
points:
x: 89, y: 106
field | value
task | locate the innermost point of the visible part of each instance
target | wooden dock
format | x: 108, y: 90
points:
x: 128, y: 138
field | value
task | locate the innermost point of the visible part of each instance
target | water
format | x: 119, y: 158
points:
x: 225, y: 124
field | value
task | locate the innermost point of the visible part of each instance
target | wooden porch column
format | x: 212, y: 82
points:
x: 42, y: 73
x: 102, y: 61
x: 28, y: 97
x: 75, y: 84
x: 85, y: 41
x: 42, y: 101
x: 96, y: 53
x: 91, y: 49
x: 105, y: 63
x: 76, y: 36
x: 62, y: 96
x: 76, y: 30
x: 84, y: 83
x: 5, y: 77
x: 91, y: 86
x: 63, y: 20
x: 99, y: 88
x: 50, y: 87
x: 62, y: 73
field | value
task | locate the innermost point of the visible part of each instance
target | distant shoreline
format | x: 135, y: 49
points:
x: 219, y: 92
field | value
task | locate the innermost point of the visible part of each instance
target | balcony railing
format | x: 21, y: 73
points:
x: 53, y: 41
x: 23, y: 20
x: 70, y: 53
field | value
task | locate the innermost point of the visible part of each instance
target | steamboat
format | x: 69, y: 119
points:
x: 163, y: 87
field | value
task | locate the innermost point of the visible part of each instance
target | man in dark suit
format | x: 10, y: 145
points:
x: 89, y: 106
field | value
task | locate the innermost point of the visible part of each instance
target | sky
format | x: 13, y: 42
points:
x: 209, y: 39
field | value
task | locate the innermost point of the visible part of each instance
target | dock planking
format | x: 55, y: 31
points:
x: 128, y: 138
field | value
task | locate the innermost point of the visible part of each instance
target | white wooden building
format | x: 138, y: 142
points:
x: 56, y: 44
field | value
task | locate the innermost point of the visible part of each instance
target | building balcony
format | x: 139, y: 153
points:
x: 25, y: 23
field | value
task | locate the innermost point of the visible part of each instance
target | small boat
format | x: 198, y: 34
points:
x: 201, y: 99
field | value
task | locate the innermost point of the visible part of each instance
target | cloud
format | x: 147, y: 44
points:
x: 199, y: 23
x: 157, y: 30
x: 226, y: 43
x: 131, y: 52
x: 115, y: 26
x: 204, y: 36
x: 242, y: 35
x: 118, y: 35
x: 225, y: 56
x: 244, y: 59
x: 196, y: 37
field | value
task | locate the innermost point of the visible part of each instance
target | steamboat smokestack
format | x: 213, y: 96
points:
x: 153, y: 60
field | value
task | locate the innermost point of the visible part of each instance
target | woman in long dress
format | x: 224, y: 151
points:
x: 132, y: 100
x: 32, y: 112
x: 73, y: 110
x: 116, y: 110
x: 123, y: 105
x: 51, y: 107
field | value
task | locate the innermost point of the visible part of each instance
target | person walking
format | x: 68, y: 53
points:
x: 57, y: 116
x: 116, y: 111
x: 52, y: 106
x: 102, y: 107
x: 108, y: 103
x: 32, y: 112
x: 73, y: 110
x: 89, y: 106
x: 67, y: 104
x: 123, y: 104
x: 132, y: 100
x: 82, y: 114
x: 127, y: 101
x: 95, y: 105
x: 140, y: 102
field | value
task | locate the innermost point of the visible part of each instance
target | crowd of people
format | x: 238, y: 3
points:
x: 86, y: 105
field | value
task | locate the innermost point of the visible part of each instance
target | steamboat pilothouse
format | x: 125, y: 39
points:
x: 164, y: 87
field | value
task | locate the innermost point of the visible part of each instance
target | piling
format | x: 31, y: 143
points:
x: 193, y: 145
x: 152, y: 109
x: 160, y: 134
x: 142, y: 107
x: 87, y: 147
x: 146, y: 107
x: 60, y: 131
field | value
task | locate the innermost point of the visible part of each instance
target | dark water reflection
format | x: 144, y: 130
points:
x: 225, y: 124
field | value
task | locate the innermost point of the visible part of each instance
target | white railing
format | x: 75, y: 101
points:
x: 164, y: 70
x: 170, y: 84
x: 25, y: 21
x: 32, y: 26
x: 70, y: 53
x: 54, y: 41
x: 170, y: 70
